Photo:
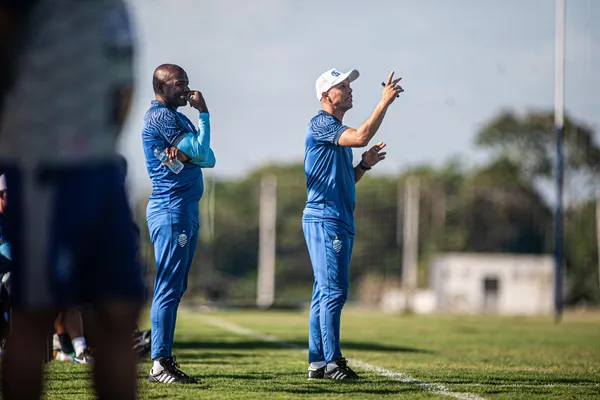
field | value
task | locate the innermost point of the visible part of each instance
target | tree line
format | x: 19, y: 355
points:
x: 502, y: 206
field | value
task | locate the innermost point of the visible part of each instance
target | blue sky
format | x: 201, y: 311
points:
x: 462, y: 61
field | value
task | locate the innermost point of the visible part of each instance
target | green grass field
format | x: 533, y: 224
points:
x: 257, y: 355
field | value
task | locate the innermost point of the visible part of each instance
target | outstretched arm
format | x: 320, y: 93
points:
x: 362, y: 136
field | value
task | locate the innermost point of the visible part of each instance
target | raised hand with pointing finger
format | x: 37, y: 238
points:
x: 391, y: 89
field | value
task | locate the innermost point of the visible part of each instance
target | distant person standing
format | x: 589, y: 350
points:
x: 328, y: 219
x: 66, y: 79
x: 172, y: 212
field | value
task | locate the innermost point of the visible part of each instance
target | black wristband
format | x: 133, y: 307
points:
x: 363, y: 166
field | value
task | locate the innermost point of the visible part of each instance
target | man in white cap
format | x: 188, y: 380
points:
x: 328, y: 219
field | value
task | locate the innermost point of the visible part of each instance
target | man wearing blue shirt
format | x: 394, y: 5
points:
x: 328, y: 218
x: 172, y: 211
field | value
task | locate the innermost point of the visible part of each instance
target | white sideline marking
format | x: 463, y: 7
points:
x: 580, y: 385
x: 437, y: 388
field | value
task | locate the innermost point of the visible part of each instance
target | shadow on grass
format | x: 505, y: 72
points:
x: 347, y: 387
x: 251, y: 377
x: 259, y: 344
x: 190, y: 354
x: 155, y: 388
x: 70, y: 375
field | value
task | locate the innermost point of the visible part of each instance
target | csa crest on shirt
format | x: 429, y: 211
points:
x: 337, y: 245
x: 182, y: 239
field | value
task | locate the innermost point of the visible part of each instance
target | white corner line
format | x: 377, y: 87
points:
x: 437, y: 388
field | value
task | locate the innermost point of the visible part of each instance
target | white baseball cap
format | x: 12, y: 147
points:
x: 330, y: 78
x: 2, y: 182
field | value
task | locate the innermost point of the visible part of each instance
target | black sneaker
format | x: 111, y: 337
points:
x: 342, y: 371
x: 84, y: 358
x: 170, y: 373
x: 318, y: 373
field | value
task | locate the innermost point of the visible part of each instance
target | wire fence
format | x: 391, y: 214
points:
x: 457, y: 212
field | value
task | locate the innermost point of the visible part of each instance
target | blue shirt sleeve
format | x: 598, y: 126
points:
x: 197, y: 145
x: 209, y: 162
x: 5, y: 250
x: 326, y: 128
x: 165, y: 125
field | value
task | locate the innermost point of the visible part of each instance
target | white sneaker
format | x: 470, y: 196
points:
x: 62, y: 356
x: 55, y: 343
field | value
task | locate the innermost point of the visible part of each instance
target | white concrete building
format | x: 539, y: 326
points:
x: 506, y: 284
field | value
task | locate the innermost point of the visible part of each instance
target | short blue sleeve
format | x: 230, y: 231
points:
x: 5, y: 250
x: 165, y: 124
x: 326, y: 128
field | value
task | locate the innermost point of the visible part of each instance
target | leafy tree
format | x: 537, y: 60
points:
x: 529, y: 141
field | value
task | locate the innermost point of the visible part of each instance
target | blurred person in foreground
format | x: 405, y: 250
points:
x: 328, y: 218
x: 68, y: 324
x: 141, y: 338
x: 172, y: 211
x: 63, y: 97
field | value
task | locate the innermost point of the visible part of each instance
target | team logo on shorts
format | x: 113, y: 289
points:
x: 337, y: 245
x: 182, y: 239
